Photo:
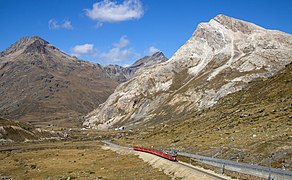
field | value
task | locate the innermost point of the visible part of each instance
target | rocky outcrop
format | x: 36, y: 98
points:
x: 11, y: 131
x: 42, y: 85
x: 122, y: 74
x: 221, y: 57
x: 149, y: 61
x: 118, y: 73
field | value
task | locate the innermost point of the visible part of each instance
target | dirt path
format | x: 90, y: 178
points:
x: 173, y: 169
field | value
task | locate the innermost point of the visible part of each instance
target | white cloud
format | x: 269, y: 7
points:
x: 119, y: 55
x: 151, y: 50
x: 54, y: 24
x: 84, y: 49
x: 67, y: 24
x: 111, y: 11
x: 122, y: 43
x: 120, y: 52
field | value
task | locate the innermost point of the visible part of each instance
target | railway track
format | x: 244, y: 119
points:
x: 183, y: 164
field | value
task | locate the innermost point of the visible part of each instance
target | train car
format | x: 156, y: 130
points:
x: 162, y: 153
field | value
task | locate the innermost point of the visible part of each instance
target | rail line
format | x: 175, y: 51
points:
x: 36, y: 147
x: 199, y: 171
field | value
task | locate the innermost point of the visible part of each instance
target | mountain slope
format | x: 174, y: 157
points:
x: 220, y: 58
x: 122, y: 74
x: 42, y: 85
x: 11, y: 131
x: 253, y: 125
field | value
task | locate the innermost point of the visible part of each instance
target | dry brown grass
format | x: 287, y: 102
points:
x: 73, y: 160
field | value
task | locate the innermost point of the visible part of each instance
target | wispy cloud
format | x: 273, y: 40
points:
x: 122, y: 43
x: 120, y: 52
x: 54, y: 24
x: 67, y: 24
x: 84, y: 49
x: 111, y: 11
x: 119, y: 55
x: 98, y: 25
x: 151, y: 50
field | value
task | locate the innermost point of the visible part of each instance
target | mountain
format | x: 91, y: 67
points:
x: 42, y: 85
x: 122, y: 74
x: 253, y: 125
x: 221, y: 57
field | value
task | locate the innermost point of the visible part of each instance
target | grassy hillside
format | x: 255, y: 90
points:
x: 253, y: 125
x: 12, y: 131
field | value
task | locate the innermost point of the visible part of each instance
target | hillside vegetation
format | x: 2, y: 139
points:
x: 13, y: 131
x: 253, y: 125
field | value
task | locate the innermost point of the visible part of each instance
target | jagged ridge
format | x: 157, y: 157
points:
x: 123, y: 74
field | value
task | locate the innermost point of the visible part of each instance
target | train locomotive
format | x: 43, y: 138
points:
x: 162, y: 153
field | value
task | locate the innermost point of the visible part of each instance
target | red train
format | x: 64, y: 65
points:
x: 165, y: 154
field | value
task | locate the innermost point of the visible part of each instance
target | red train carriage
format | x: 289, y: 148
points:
x: 165, y: 154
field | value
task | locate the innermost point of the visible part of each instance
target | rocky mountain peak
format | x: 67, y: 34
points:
x: 158, y: 54
x: 40, y: 83
x: 221, y: 57
x: 155, y: 58
x: 36, y: 44
x: 27, y: 45
x: 33, y: 39
x: 235, y: 25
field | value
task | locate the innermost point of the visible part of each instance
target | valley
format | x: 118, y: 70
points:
x: 226, y: 93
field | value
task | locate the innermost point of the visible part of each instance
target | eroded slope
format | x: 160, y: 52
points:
x: 252, y: 125
x: 220, y: 58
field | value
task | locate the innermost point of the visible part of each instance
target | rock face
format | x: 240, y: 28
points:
x: 253, y: 124
x: 40, y: 84
x: 221, y: 57
x: 122, y: 74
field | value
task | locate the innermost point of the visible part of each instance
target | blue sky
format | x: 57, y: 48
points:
x: 120, y: 32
